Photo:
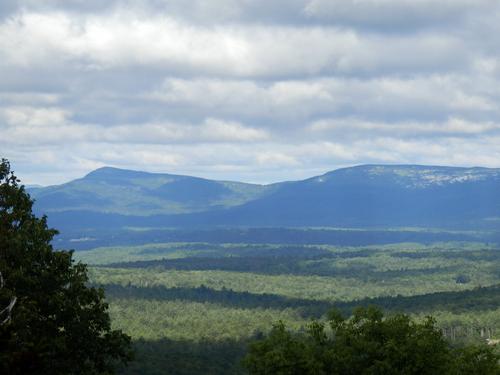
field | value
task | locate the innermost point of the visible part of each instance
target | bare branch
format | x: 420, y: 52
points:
x: 7, y: 311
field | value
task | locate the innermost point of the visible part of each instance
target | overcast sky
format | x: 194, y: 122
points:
x: 249, y: 90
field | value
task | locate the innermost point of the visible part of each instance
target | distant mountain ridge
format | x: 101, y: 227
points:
x: 127, y: 192
x: 360, y: 196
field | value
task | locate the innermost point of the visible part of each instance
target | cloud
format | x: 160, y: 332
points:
x: 103, y: 42
x: 33, y: 116
x: 381, y: 15
x: 283, y: 104
x: 452, y: 127
x: 248, y: 90
x: 211, y: 130
x: 36, y: 126
x: 396, y: 15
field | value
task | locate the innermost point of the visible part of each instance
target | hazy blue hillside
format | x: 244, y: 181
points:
x: 363, y: 196
x: 118, y: 191
x: 382, y: 196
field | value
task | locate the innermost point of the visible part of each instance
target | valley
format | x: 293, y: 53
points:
x: 192, y: 307
x: 194, y: 269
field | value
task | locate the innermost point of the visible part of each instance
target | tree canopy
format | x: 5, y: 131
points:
x: 367, y: 343
x: 52, y: 322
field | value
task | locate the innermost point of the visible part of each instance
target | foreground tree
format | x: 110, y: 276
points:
x: 52, y: 322
x: 367, y: 343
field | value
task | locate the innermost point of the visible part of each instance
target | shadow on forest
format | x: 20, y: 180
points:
x: 478, y: 299
x: 186, y: 357
x: 111, y: 235
x: 280, y: 265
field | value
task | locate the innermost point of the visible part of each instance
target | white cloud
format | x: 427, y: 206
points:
x: 122, y: 39
x: 126, y: 39
x: 452, y: 126
x: 250, y: 90
x: 36, y: 126
x: 34, y: 116
x: 211, y: 130
x: 276, y: 159
x: 294, y: 102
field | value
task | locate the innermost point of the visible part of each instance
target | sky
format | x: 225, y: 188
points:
x: 249, y: 90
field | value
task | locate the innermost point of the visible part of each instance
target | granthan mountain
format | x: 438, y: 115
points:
x: 381, y: 196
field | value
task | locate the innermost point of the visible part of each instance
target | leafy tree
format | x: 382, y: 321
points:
x: 58, y: 324
x: 368, y: 343
x: 476, y: 360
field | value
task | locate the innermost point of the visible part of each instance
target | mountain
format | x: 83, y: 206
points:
x: 119, y: 191
x: 377, y: 195
x: 362, y: 196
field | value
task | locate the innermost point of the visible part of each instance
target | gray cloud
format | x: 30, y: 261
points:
x: 376, y: 15
x: 249, y: 90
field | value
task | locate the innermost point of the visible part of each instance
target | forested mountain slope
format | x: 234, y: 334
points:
x: 119, y: 191
x: 369, y: 195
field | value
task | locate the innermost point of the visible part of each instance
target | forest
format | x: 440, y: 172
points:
x: 195, y: 307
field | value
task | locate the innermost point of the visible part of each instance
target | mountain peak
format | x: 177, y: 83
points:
x: 395, y: 195
x: 113, y: 172
x: 409, y: 176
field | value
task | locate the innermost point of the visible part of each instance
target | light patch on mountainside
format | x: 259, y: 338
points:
x: 422, y: 177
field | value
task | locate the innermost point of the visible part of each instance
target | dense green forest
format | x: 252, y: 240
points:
x: 195, y: 307
x: 367, y: 343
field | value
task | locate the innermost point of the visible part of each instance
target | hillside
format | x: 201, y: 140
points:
x: 376, y: 195
x: 369, y: 195
x: 119, y: 191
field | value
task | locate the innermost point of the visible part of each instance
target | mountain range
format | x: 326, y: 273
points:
x: 383, y: 196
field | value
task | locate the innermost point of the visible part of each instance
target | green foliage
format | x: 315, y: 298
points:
x: 58, y: 325
x: 230, y: 291
x: 476, y: 360
x: 183, y: 357
x: 194, y: 321
x: 185, y: 314
x: 368, y: 343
